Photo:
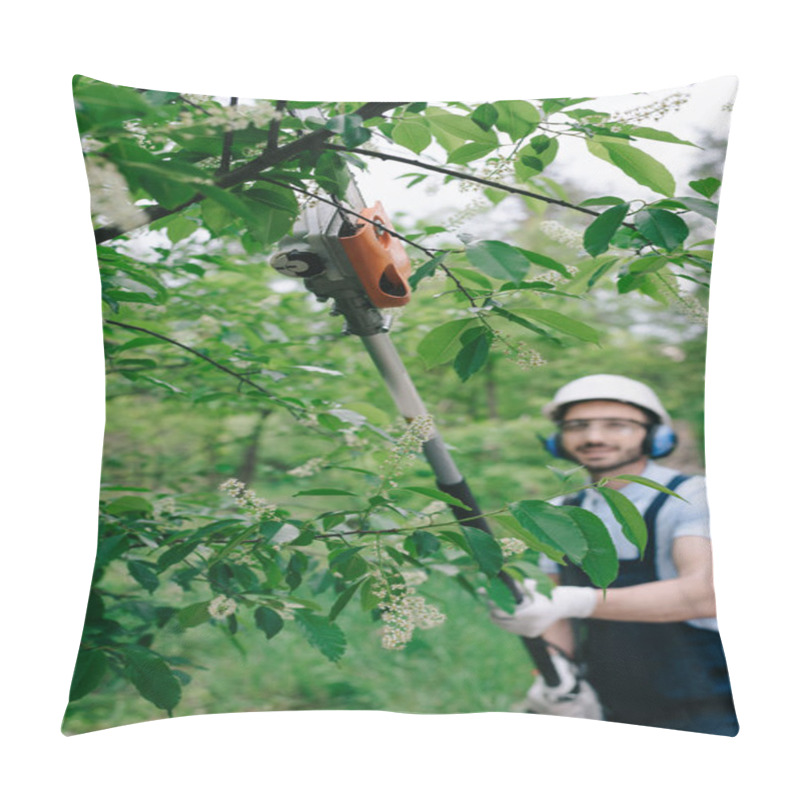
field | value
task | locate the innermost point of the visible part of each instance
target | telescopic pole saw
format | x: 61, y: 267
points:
x: 355, y: 259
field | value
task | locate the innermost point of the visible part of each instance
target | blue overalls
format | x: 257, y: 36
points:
x: 662, y: 674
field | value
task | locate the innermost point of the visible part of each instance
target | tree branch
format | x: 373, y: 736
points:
x: 462, y: 176
x: 248, y: 171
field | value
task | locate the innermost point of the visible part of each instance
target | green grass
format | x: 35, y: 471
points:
x: 465, y: 665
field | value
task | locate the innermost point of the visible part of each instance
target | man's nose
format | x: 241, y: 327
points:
x: 594, y: 432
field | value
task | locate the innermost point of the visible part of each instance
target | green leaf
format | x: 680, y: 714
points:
x: 703, y: 207
x: 193, y: 615
x: 99, y: 105
x: 485, y: 115
x: 648, y: 482
x: 706, y: 186
x: 128, y: 504
x: 545, y: 261
x: 457, y: 127
x: 268, y: 620
x: 471, y: 151
x: 434, y: 494
x: 322, y: 634
x: 332, y: 174
x: 662, y: 228
x: 151, y: 676
x: 413, y: 135
x: 426, y: 270
x: 342, y: 600
x: 175, y: 554
x: 443, y: 342
x: 603, y: 201
x: 90, y: 667
x: 180, y: 228
x: 535, y: 156
x: 517, y: 320
x: 473, y: 354
x: 265, y: 223
x: 144, y: 575
x: 351, y: 128
x: 471, y: 276
x: 635, y: 163
x: 277, y: 197
x: 572, y: 327
x: 633, y: 525
x: 647, y: 264
x: 597, y: 237
x: 499, y: 260
x: 425, y: 543
x: 655, y: 134
x: 600, y: 563
x: 552, y: 525
x: 501, y: 595
x: 517, y: 118
x: 484, y: 549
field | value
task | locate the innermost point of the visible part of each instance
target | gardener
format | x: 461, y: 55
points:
x: 650, y: 646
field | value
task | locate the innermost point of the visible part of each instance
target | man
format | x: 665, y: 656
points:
x: 649, y: 646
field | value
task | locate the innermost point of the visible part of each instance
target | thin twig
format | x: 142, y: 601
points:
x: 241, y: 377
x: 466, y: 177
x: 227, y: 145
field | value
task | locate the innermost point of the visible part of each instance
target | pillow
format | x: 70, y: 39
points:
x: 288, y: 516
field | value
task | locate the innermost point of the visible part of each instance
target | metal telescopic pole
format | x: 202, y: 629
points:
x: 391, y: 368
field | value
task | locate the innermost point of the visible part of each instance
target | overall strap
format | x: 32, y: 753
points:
x: 650, y: 518
x: 574, y: 499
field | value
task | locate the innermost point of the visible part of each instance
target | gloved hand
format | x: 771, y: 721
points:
x: 537, y: 612
x: 572, y: 697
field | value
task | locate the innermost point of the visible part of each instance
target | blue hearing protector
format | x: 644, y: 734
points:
x: 659, y: 442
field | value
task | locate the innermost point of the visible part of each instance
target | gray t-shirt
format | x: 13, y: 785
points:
x: 676, y: 518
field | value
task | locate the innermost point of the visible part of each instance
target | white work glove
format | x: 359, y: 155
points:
x: 537, y: 612
x: 572, y: 697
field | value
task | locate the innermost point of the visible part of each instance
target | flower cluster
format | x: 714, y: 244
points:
x: 511, y: 547
x: 165, y: 507
x: 311, y: 467
x: 229, y: 117
x: 402, y: 612
x: 652, y: 111
x: 523, y: 355
x: 420, y: 429
x: 433, y: 508
x: 691, y: 307
x: 247, y: 499
x: 221, y: 607
x: 111, y: 198
x: 561, y: 234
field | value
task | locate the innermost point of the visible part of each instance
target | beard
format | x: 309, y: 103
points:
x: 602, y: 459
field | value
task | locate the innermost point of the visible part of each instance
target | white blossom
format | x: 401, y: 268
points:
x: 402, y: 612
x: 221, y: 607
x: 247, y: 499
x: 311, y: 467
x: 420, y: 430
x: 110, y: 196
x: 511, y: 546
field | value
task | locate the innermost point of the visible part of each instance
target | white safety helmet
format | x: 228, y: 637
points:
x: 606, y: 387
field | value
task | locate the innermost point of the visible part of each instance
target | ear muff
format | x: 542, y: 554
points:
x: 660, y: 441
x: 553, y: 445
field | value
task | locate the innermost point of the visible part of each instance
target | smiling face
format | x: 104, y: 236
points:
x: 604, y: 435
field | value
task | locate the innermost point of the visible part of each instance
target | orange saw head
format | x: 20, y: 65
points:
x: 379, y: 259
